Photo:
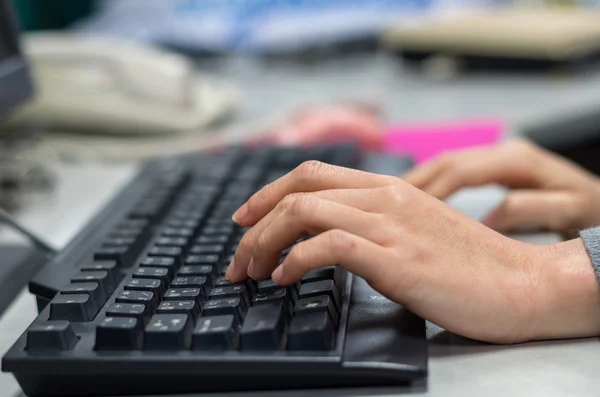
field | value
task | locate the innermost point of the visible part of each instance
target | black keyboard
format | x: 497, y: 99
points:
x: 138, y: 303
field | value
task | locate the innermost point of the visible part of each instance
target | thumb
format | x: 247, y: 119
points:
x: 528, y: 209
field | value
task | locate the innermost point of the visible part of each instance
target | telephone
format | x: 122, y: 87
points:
x: 109, y: 86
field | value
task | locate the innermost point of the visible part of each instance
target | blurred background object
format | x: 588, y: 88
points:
x: 131, y: 79
x: 513, y: 37
x: 106, y: 86
x: 57, y: 14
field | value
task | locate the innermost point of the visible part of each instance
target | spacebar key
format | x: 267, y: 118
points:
x: 263, y: 327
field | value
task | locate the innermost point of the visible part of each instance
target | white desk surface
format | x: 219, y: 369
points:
x: 458, y: 367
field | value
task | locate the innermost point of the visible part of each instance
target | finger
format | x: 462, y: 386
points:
x: 308, y: 215
x: 297, y: 214
x: 368, y: 200
x: 311, y: 176
x: 335, y: 247
x: 422, y: 175
x: 514, y: 165
x: 557, y: 211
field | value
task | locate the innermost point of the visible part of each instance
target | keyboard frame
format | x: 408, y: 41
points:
x: 153, y: 372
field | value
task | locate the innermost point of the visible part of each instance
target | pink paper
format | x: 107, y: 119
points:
x: 426, y: 140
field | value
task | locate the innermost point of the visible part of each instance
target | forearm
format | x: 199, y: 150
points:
x: 570, y: 296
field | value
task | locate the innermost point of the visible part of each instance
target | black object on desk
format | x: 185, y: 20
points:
x: 153, y: 320
x: 18, y: 264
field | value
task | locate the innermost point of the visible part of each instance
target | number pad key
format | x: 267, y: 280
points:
x: 279, y: 295
x: 161, y: 273
x: 134, y: 310
x: 168, y: 331
x: 195, y: 294
x: 218, y: 307
x: 324, y: 287
x: 189, y: 307
x: 232, y: 291
x: 263, y: 328
x: 75, y: 308
x: 322, y: 303
x: 215, y: 249
x: 144, y: 297
x: 118, y: 333
x: 203, y: 271
x: 215, y: 333
x: 145, y: 284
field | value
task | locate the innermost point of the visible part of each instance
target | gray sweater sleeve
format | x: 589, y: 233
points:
x: 591, y: 239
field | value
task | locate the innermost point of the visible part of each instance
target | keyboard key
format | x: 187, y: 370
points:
x: 189, y: 307
x: 99, y: 276
x: 232, y: 291
x: 222, y: 281
x: 324, y: 287
x: 207, y: 249
x: 51, y: 335
x: 193, y: 282
x: 134, y: 223
x: 205, y: 271
x: 119, y: 242
x: 213, y: 239
x: 145, y: 284
x: 322, y: 303
x: 220, y: 307
x: 311, y: 332
x: 172, y: 242
x: 178, y: 232
x: 145, y: 297
x: 110, y: 267
x: 117, y: 254
x: 168, y: 331
x: 118, y: 333
x: 183, y: 223
x: 202, y: 259
x: 133, y: 310
x: 263, y: 328
x: 326, y: 273
x: 225, y: 229
x: 215, y: 333
x: 170, y: 252
x: 75, y: 308
x: 161, y: 273
x: 158, y: 261
x: 92, y: 289
x: 195, y: 294
x: 269, y: 285
x: 279, y: 295
x: 126, y: 233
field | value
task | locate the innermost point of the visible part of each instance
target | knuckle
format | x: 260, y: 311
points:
x: 308, y: 170
x: 262, y: 241
x: 296, y: 254
x: 340, y: 241
x: 246, y: 244
x: 288, y: 201
x: 303, y: 204
x: 392, y: 191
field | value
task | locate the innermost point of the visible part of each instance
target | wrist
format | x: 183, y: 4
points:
x: 569, y: 291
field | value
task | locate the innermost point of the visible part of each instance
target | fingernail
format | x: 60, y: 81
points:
x: 278, y: 273
x: 251, y: 267
x: 240, y: 214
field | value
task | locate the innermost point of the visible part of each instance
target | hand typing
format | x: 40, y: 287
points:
x: 418, y: 252
x: 548, y: 192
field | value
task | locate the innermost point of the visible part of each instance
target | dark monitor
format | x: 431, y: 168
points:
x: 15, y: 84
